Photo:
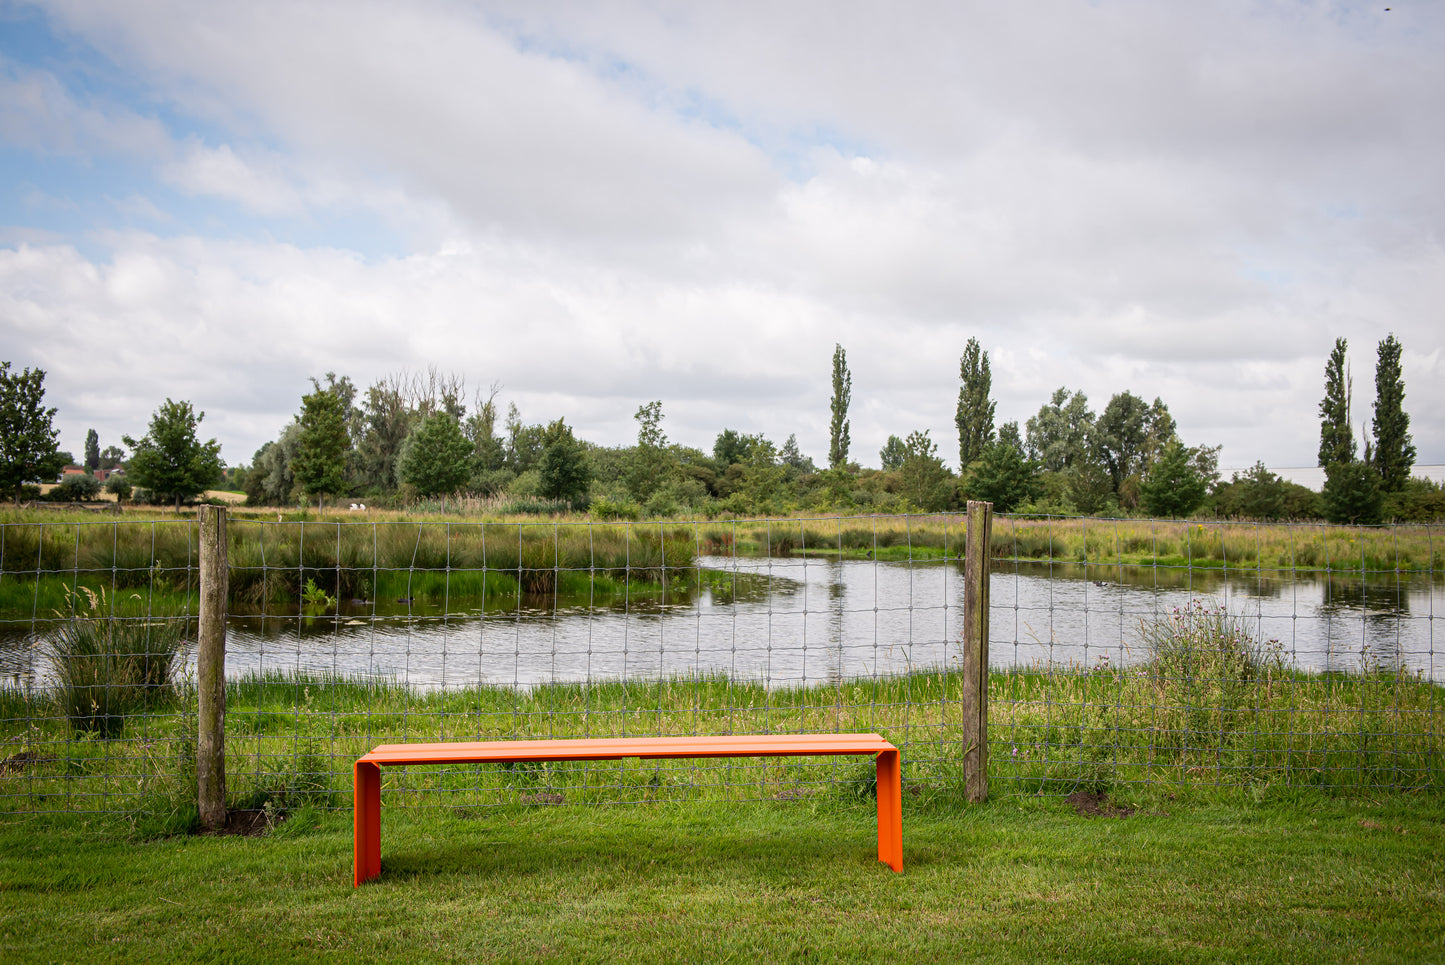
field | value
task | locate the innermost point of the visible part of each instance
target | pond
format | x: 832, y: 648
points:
x: 801, y: 621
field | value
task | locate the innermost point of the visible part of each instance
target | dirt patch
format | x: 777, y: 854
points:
x: 18, y: 762
x: 542, y: 797
x: 248, y: 823
x: 1088, y: 804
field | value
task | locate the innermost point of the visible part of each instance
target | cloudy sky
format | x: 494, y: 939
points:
x: 597, y: 204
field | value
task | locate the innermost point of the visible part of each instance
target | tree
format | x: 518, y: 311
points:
x: 728, y: 449
x: 1088, y: 485
x: 1337, y: 440
x: 321, y: 450
x: 1394, y: 450
x: 76, y: 486
x: 1174, y: 487
x: 111, y: 456
x: 892, y: 454
x: 1123, y: 431
x: 271, y: 481
x: 842, y: 395
x: 651, y: 468
x: 1003, y: 476
x: 434, y: 458
x: 1008, y: 435
x: 925, y: 480
x: 169, y: 460
x: 383, y: 421
x: 119, y: 487
x: 1258, y: 494
x: 27, y: 438
x: 975, y: 409
x: 1058, y: 437
x: 480, y: 428
x: 1159, y: 432
x: 1352, y: 494
x: 793, y: 457
x: 92, y: 450
x: 565, y: 473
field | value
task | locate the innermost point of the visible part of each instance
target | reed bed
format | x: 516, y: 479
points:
x: 272, y: 564
x: 1174, y: 543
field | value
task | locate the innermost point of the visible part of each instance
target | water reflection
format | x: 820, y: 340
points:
x: 804, y: 621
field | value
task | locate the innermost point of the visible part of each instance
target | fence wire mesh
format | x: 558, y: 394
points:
x: 1162, y: 655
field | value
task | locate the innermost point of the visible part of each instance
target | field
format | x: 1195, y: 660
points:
x: 1299, y: 879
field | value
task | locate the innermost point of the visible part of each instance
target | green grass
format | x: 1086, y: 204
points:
x: 1312, y: 880
x: 291, y: 740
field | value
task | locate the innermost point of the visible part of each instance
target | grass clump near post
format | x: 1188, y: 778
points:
x: 1204, y: 655
x: 1205, y: 667
x: 111, y: 663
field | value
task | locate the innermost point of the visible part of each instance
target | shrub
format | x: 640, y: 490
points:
x: 120, y: 487
x: 608, y: 509
x: 1203, y: 664
x: 111, y: 663
x: 76, y: 487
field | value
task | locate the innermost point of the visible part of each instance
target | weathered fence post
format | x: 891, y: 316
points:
x: 975, y: 650
x: 211, y: 671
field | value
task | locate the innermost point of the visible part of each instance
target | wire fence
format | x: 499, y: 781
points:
x: 1166, y: 656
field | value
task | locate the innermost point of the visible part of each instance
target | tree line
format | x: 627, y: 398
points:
x: 413, y: 437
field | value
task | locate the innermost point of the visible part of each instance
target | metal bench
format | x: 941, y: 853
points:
x: 367, y: 773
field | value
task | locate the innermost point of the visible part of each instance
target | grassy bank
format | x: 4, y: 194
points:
x: 1311, y: 879
x: 291, y: 740
x: 278, y: 565
x: 274, y: 564
x: 1165, y: 543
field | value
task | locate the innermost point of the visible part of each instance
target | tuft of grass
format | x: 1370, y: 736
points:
x: 112, y: 663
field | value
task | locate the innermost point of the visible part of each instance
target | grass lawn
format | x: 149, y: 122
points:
x: 1310, y: 878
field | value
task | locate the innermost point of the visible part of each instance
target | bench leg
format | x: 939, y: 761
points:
x: 890, y: 809
x: 366, y: 821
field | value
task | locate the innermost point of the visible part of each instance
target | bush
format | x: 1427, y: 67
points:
x: 1203, y: 664
x: 119, y: 487
x: 75, y: 488
x: 113, y: 663
x: 608, y: 509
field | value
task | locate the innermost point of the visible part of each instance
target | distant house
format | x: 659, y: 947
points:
x: 72, y: 471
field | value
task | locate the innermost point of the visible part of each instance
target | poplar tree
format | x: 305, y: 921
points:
x: 1394, y: 451
x: 842, y: 395
x: 1337, y: 441
x: 975, y: 409
x: 92, y: 450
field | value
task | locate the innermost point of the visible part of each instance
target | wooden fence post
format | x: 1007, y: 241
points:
x: 211, y: 671
x: 975, y: 650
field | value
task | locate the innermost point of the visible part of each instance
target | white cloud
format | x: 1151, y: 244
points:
x: 606, y: 204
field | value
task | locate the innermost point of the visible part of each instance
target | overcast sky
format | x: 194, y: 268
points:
x: 595, y: 205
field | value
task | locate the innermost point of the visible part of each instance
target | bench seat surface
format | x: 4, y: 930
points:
x: 617, y: 748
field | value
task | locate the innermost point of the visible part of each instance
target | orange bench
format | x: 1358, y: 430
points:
x: 367, y: 773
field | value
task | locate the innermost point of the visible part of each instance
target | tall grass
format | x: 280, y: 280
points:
x: 113, y: 663
x: 271, y: 563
